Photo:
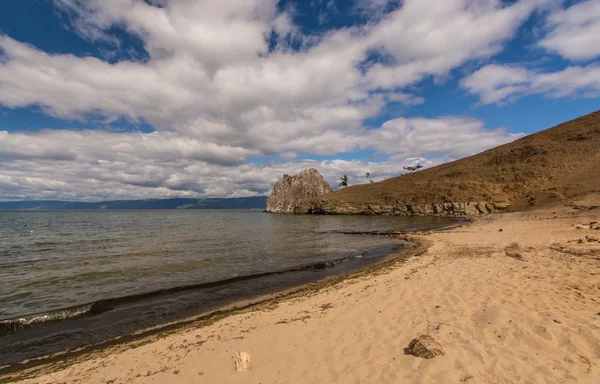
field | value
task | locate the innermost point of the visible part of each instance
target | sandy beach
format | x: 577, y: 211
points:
x: 512, y: 298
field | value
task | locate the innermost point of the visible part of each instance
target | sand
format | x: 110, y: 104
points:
x: 504, y: 313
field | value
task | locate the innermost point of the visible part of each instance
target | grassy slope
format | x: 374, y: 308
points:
x: 559, y: 163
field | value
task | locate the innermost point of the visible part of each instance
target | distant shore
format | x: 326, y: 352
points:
x: 255, y: 202
x: 511, y: 298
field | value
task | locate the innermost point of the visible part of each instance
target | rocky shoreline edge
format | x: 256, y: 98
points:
x: 456, y: 209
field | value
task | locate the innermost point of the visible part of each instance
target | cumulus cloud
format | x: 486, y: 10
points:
x: 210, y: 61
x: 107, y: 165
x: 454, y: 137
x: 502, y: 83
x: 431, y: 38
x: 96, y: 145
x: 45, y: 179
x: 574, y: 32
x: 223, y: 82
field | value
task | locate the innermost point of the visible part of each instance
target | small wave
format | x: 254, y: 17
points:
x: 48, y: 243
x: 19, y: 324
x: 15, y: 325
x: 373, y: 233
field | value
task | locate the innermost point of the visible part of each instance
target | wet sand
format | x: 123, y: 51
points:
x: 512, y: 299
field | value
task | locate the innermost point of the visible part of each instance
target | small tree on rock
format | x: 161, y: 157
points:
x: 344, y: 181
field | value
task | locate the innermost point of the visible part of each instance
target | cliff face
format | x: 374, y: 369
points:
x: 293, y: 192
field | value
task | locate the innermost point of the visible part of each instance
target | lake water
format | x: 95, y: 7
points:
x: 73, y: 278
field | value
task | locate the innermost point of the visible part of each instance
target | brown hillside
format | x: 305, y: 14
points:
x: 549, y: 166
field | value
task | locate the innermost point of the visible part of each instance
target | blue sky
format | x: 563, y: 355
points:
x: 112, y: 99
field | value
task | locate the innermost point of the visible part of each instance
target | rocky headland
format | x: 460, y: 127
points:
x: 292, y: 193
x: 554, y: 167
x: 307, y: 192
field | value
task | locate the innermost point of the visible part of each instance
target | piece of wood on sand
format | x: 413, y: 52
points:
x: 242, y: 361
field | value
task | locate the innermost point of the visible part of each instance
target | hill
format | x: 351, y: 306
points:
x: 257, y: 202
x: 555, y: 165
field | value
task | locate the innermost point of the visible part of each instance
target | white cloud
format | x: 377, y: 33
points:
x: 433, y: 37
x: 574, y: 32
x: 41, y: 179
x: 209, y: 61
x: 454, y: 137
x: 501, y: 83
x: 214, y: 33
x: 105, y: 165
x: 98, y: 145
x: 405, y: 98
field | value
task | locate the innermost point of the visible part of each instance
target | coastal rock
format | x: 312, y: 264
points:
x: 335, y: 207
x: 484, y: 207
x: 500, y: 205
x: 591, y: 201
x: 592, y: 239
x: 592, y: 225
x: 425, y: 347
x: 458, y: 207
x: 471, y: 209
x: 242, y: 362
x: 293, y: 193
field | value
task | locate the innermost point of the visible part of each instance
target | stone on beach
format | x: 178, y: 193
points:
x: 591, y: 225
x: 425, y: 347
x: 242, y: 362
x: 592, y: 239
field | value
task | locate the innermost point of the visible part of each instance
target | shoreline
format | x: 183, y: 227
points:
x: 411, y: 248
x: 526, y: 313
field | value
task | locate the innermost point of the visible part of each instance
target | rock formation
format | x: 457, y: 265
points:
x: 293, y: 192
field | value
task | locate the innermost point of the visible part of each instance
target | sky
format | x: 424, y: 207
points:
x: 127, y: 99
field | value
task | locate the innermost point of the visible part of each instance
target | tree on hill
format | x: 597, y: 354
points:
x: 415, y: 168
x: 344, y: 181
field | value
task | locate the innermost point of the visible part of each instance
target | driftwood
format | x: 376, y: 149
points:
x: 242, y: 362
